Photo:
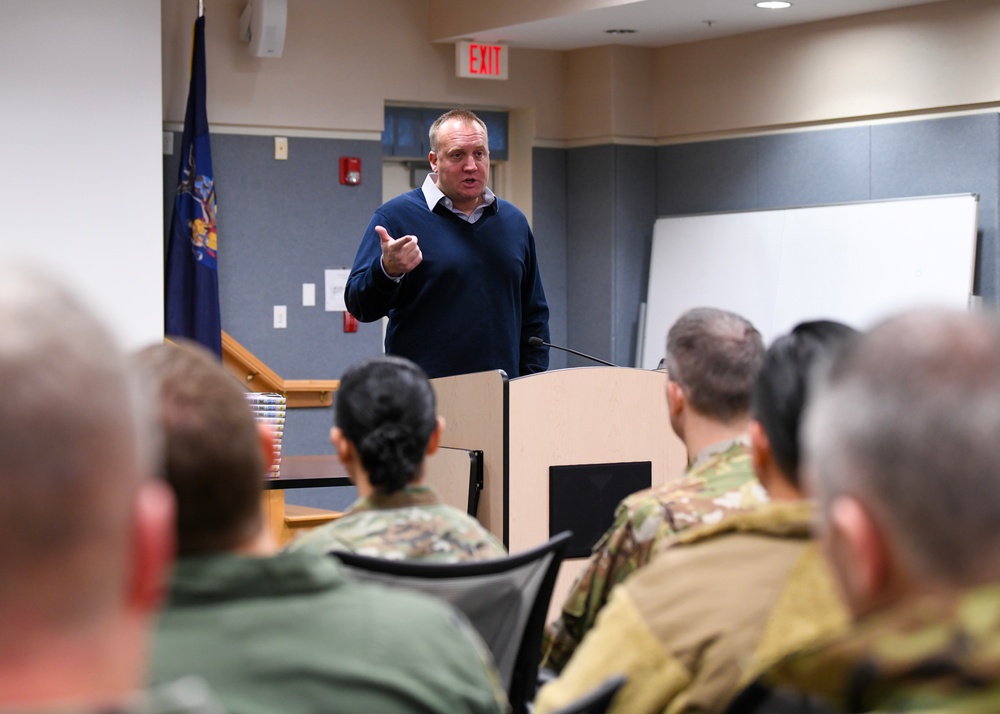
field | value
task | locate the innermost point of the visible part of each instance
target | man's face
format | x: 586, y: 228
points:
x: 462, y: 162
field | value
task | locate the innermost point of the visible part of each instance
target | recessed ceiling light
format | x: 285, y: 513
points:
x: 774, y: 5
x: 620, y: 31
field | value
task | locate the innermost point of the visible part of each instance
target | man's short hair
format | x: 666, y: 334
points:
x: 73, y: 452
x: 907, y: 422
x: 212, y: 456
x: 780, y: 391
x: 463, y: 115
x: 715, y: 355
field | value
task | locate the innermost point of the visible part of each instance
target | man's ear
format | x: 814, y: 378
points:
x: 859, y: 553
x: 435, y: 439
x: 265, y: 442
x: 675, y: 397
x: 153, y: 545
x: 760, y: 449
x: 341, y: 444
x: 432, y: 160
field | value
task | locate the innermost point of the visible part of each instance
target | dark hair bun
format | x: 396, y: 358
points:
x: 386, y: 408
x: 391, y: 454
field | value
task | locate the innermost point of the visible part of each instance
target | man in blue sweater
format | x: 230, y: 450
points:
x: 453, y: 266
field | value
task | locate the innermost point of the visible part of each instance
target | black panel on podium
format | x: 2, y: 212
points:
x: 582, y: 499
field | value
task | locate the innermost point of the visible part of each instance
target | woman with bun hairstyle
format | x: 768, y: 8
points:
x: 386, y: 423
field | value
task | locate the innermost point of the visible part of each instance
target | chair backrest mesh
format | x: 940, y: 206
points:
x: 505, y: 600
x: 498, y: 605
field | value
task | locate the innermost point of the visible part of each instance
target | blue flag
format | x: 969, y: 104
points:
x: 192, y: 277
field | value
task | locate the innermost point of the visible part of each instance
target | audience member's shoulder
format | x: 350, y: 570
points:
x: 320, y: 540
x: 646, y: 498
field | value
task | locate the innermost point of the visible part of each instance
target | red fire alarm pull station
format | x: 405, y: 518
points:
x: 350, y: 170
x: 350, y: 322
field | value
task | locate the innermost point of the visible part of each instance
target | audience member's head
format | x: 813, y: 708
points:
x: 85, y: 534
x: 712, y: 360
x: 215, y: 454
x: 780, y: 394
x: 386, y: 422
x: 901, y: 448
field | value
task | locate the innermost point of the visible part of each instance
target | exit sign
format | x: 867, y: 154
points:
x: 481, y: 61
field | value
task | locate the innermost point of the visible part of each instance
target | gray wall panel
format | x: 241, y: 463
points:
x: 902, y: 159
x: 590, y: 228
x: 707, y: 176
x: 951, y: 155
x: 548, y: 177
x: 281, y: 223
x: 808, y: 168
x: 635, y: 213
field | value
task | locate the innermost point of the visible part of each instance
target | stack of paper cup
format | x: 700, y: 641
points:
x: 269, y: 408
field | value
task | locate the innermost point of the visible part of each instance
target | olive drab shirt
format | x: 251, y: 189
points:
x: 720, y: 480
x: 410, y: 524
x: 925, y: 655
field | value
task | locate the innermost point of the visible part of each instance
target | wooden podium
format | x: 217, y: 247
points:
x: 524, y: 426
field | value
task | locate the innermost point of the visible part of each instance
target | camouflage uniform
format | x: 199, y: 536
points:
x: 926, y: 655
x: 721, y: 479
x: 715, y: 606
x: 410, y: 524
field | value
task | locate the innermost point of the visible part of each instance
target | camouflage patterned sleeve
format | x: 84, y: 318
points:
x: 715, y: 486
x: 624, y: 548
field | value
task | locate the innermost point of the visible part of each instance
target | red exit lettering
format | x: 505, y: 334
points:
x: 484, y: 59
x: 480, y: 60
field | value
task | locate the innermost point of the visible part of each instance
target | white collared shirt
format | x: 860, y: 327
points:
x: 434, y: 196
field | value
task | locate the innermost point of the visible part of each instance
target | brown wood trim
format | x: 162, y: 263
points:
x: 258, y: 377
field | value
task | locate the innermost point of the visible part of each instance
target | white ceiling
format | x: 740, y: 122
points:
x: 659, y: 23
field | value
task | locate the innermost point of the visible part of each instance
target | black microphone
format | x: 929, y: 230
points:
x: 539, y: 342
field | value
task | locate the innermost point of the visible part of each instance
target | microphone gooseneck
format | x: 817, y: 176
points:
x: 535, y: 341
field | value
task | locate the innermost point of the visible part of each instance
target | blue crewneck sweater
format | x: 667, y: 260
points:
x: 474, y: 300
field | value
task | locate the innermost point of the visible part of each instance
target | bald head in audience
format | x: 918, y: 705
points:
x: 85, y: 534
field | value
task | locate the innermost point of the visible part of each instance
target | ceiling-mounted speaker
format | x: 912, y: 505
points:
x: 262, y: 24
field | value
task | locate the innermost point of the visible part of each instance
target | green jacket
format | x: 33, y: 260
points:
x: 715, y: 607
x: 720, y: 480
x: 924, y: 655
x: 291, y: 633
x: 410, y: 524
x: 189, y: 695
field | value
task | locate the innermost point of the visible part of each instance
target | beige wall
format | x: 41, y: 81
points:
x: 344, y: 58
x: 928, y: 58
x: 610, y: 94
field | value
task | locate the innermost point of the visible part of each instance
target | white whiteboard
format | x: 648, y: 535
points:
x: 853, y: 262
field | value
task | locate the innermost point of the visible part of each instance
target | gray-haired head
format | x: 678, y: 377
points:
x: 715, y: 356
x: 75, y: 447
x: 906, y: 421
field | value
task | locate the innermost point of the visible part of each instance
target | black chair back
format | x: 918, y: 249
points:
x: 506, y: 600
